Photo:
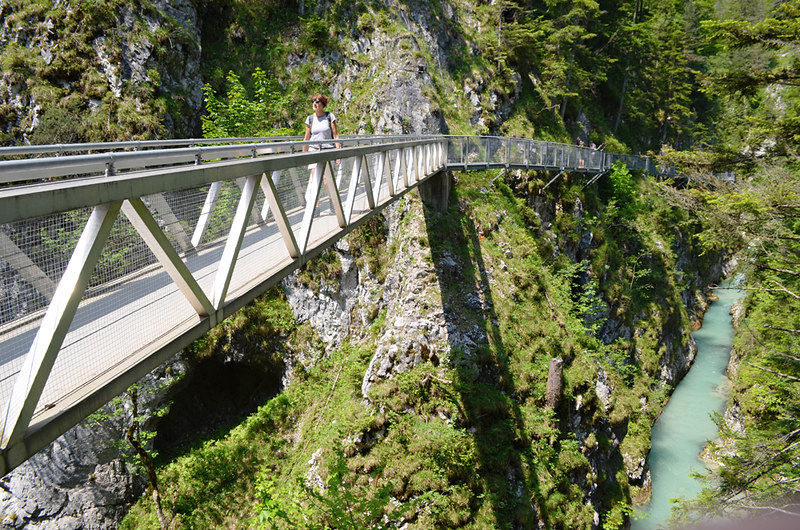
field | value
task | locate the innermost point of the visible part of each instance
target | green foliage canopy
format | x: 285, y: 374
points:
x: 238, y: 114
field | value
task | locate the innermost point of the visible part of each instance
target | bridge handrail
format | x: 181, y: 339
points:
x: 67, y: 149
x: 31, y: 169
x: 160, y: 153
x: 135, y: 145
x: 53, y: 196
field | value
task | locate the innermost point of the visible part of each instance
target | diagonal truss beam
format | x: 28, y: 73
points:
x: 139, y: 216
x: 39, y: 361
x: 234, y: 242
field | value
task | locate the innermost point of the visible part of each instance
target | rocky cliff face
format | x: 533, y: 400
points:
x: 119, y: 70
x: 424, y: 325
x: 82, y: 480
x: 74, y: 483
x: 391, y: 76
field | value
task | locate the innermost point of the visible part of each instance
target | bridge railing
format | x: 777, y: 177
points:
x: 118, y: 157
x: 470, y: 152
x: 483, y: 152
x: 113, y: 261
x: 464, y: 152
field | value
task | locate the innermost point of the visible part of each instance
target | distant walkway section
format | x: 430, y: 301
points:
x: 115, y: 256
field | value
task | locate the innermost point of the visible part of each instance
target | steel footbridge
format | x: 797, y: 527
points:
x: 115, y: 256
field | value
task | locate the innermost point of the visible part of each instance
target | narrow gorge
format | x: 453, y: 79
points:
x: 496, y: 363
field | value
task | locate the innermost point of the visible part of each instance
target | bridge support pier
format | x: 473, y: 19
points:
x: 435, y: 191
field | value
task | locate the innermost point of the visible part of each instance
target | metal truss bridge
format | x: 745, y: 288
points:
x: 115, y: 256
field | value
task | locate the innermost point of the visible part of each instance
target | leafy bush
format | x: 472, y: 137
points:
x: 623, y: 188
x: 237, y: 114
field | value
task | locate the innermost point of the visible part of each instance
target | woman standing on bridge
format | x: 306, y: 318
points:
x: 321, y: 125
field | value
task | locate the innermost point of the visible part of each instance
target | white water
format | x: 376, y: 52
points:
x: 686, y: 425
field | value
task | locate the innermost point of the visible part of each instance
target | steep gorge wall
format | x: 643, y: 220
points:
x: 117, y: 70
x: 426, y: 323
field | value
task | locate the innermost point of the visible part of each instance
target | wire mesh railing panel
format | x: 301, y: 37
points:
x: 574, y: 157
x: 292, y: 190
x: 296, y: 216
x: 360, y: 202
x: 324, y: 202
x: 324, y: 223
x: 455, y: 150
x: 517, y: 152
x: 475, y: 151
x: 33, y: 256
x: 219, y: 204
x: 393, y: 159
x: 15, y: 344
x: 410, y: 169
x: 495, y: 151
x: 628, y: 161
x: 535, y: 154
x: 173, y: 212
x: 594, y: 160
x: 419, y: 162
x: 345, y: 176
x: 551, y: 155
x: 291, y: 187
x: 261, y: 250
x: 127, y: 281
x: 32, y: 259
x: 380, y: 189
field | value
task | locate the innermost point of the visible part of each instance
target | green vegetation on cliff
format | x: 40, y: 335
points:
x: 63, y: 76
x: 465, y: 437
x: 624, y: 74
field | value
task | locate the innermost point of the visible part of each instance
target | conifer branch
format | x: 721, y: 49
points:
x: 782, y: 329
x: 779, y: 374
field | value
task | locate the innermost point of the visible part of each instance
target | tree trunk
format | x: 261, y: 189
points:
x: 622, y: 96
x: 637, y: 6
x: 554, y: 382
x: 162, y: 521
x: 147, y: 461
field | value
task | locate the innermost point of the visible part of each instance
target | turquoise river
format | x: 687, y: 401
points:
x: 686, y: 425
